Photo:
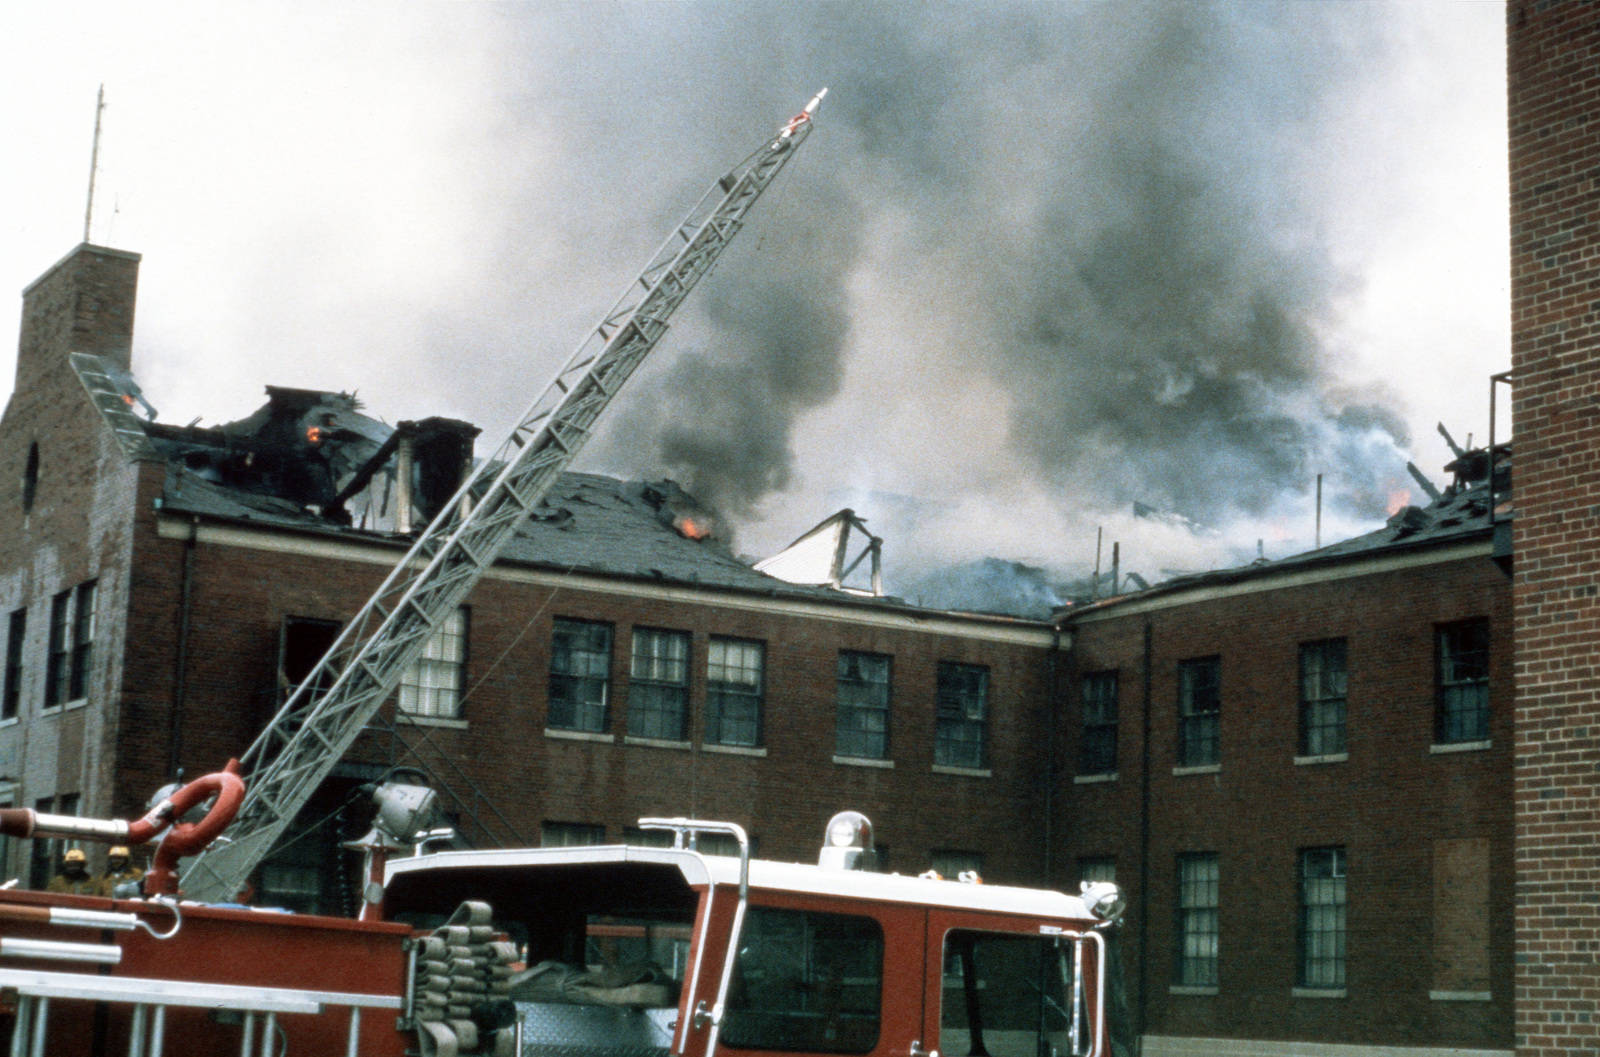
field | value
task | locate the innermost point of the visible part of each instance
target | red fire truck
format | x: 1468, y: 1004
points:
x: 616, y: 951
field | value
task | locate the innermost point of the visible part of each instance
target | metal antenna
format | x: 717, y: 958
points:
x: 94, y: 160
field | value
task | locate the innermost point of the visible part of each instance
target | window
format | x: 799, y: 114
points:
x: 961, y: 697
x: 1097, y: 752
x: 1322, y: 697
x: 571, y: 834
x: 1199, y: 710
x: 1462, y: 709
x: 11, y: 699
x: 1098, y: 868
x: 66, y: 675
x: 1322, y: 923
x: 30, y: 477
x: 806, y: 982
x: 658, y: 688
x: 434, y: 684
x: 1197, y: 920
x: 735, y: 677
x: 951, y: 864
x: 580, y: 673
x: 863, y: 723
x: 1006, y: 995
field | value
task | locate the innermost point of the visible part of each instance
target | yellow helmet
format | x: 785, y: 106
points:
x: 116, y: 851
x: 74, y: 855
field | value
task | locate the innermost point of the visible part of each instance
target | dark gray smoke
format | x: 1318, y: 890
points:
x: 1104, y: 210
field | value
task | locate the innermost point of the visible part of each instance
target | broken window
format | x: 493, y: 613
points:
x: 580, y: 675
x: 1097, y: 751
x: 1197, y: 925
x: 735, y: 681
x: 66, y: 674
x: 961, y: 715
x: 951, y: 864
x: 571, y: 834
x: 433, y: 684
x: 1322, y: 917
x: 1462, y: 701
x: 1199, y: 712
x: 12, y: 699
x: 658, y: 687
x: 302, y: 643
x: 1322, y: 697
x: 863, y: 723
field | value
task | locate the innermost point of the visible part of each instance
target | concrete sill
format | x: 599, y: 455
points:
x: 13, y: 721
x: 1318, y: 992
x: 1460, y: 746
x: 1094, y: 779
x: 862, y: 761
x: 1204, y: 768
x: 968, y: 772
x: 443, y: 722
x: 657, y: 743
x: 1460, y: 996
x: 1330, y: 757
x: 1183, y: 989
x: 735, y: 750
x: 577, y: 735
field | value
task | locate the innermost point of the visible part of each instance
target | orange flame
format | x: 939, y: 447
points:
x: 1399, y: 496
x: 314, y: 434
x: 692, y: 529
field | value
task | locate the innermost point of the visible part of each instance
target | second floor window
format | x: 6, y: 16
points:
x: 580, y: 675
x: 962, y: 712
x: 1199, y: 712
x: 1097, y: 752
x: 66, y: 676
x: 12, y: 699
x: 1462, y: 703
x: 432, y: 685
x: 658, y: 688
x: 1197, y: 923
x: 863, y: 725
x: 735, y: 682
x: 1322, y: 697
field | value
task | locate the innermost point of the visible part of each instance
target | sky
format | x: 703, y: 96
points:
x: 1037, y: 263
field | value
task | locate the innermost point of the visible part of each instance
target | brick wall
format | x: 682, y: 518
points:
x: 241, y: 595
x: 1554, y: 84
x: 1386, y: 804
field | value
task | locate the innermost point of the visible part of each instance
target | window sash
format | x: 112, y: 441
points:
x: 82, y: 639
x: 1323, y: 685
x: 580, y: 676
x: 735, y: 675
x: 1198, y: 920
x: 1463, y: 682
x: 433, y: 685
x: 1199, y: 710
x: 862, y: 728
x: 1097, y: 749
x: 1322, y: 917
x: 658, y: 688
x: 961, y: 713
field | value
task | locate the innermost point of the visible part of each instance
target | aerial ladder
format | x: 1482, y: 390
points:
x: 316, y: 726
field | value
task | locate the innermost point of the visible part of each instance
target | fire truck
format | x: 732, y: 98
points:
x: 619, y: 951
x: 554, y: 952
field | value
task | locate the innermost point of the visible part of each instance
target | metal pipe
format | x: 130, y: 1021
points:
x: 158, y: 1031
x: 19, y: 1027
x: 41, y: 1023
x: 1144, y: 834
x: 180, y: 673
x: 269, y: 1031
x: 249, y: 1034
x: 136, y: 1033
x: 355, y: 1032
x: 1319, y: 512
x: 402, y: 474
x: 57, y: 951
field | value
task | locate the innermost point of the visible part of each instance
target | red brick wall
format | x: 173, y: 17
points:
x: 1386, y: 804
x: 1554, y: 71
x: 241, y: 595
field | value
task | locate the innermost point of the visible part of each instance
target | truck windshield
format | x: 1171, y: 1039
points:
x: 1003, y: 995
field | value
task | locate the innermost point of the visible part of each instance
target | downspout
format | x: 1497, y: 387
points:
x: 1053, y: 746
x: 180, y: 675
x: 1144, y: 841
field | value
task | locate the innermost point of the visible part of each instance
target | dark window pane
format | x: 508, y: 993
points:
x: 1322, y: 697
x: 1004, y: 995
x: 12, y: 700
x: 1462, y: 706
x: 806, y: 982
x: 863, y: 718
x: 735, y: 681
x: 1097, y: 750
x: 1322, y: 917
x: 1199, y: 710
x: 1197, y: 920
x: 580, y: 675
x: 961, y: 715
x: 658, y: 688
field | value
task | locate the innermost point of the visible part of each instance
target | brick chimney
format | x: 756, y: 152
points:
x: 82, y: 304
x: 1553, y: 62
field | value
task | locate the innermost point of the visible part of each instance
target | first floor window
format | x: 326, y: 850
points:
x: 1462, y: 672
x: 658, y: 687
x: 1322, y: 697
x: 580, y: 675
x: 962, y: 714
x: 735, y: 682
x: 1199, y: 712
x: 571, y: 834
x: 862, y: 729
x: 432, y: 686
x: 1322, y: 920
x: 1097, y: 868
x: 1097, y: 752
x: 1197, y: 920
x: 951, y: 864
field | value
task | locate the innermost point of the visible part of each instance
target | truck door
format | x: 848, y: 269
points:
x: 1001, y: 986
x: 816, y: 976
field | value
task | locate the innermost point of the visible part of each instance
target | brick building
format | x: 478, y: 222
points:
x: 165, y: 586
x: 1301, y: 770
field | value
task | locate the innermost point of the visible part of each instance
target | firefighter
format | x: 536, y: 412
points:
x: 119, y: 870
x: 74, y: 877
